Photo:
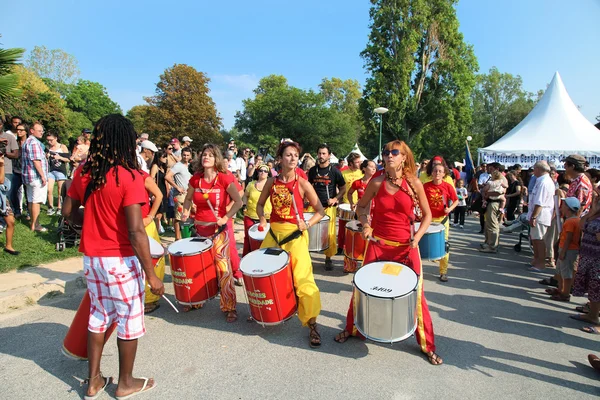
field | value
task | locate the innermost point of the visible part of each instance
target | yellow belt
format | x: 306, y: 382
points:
x: 390, y: 242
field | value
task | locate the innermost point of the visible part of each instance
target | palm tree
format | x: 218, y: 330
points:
x: 8, y: 80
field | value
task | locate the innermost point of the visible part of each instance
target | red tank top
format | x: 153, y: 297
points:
x: 281, y: 200
x: 394, y: 214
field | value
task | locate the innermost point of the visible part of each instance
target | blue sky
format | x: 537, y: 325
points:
x: 126, y: 45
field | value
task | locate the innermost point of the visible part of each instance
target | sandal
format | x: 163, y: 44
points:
x: 151, y: 307
x: 192, y: 308
x: 549, y: 281
x: 342, y: 336
x: 107, y: 381
x: 444, y: 278
x: 314, y: 336
x: 434, y: 359
x: 552, y: 291
x: 594, y: 361
x: 561, y: 297
x: 583, y: 309
x: 145, y: 388
x: 231, y: 316
x: 591, y: 329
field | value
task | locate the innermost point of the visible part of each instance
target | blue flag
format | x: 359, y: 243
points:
x: 469, y: 166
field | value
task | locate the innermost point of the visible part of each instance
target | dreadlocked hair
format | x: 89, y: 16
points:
x: 112, y: 145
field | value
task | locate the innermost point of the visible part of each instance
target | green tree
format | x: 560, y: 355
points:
x: 279, y: 111
x: 343, y: 95
x: 499, y: 104
x: 56, y: 64
x: 8, y: 80
x: 139, y: 116
x: 182, y: 106
x: 423, y: 72
x: 92, y: 100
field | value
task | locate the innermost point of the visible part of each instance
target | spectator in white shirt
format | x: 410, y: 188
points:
x: 231, y: 163
x: 146, y: 154
x: 541, y: 207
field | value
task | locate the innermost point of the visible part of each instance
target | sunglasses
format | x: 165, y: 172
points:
x: 394, y: 152
x: 169, y: 148
x: 264, y: 170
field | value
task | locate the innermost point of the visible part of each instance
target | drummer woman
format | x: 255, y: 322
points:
x: 439, y: 192
x: 286, y: 192
x: 399, y: 192
x: 250, y: 199
x: 359, y: 186
x: 210, y: 189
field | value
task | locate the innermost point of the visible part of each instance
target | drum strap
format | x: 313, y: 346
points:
x: 292, y: 236
x: 390, y: 242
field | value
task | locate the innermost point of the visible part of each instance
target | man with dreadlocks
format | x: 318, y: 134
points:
x: 114, y: 243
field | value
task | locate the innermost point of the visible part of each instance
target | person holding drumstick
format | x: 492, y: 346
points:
x: 391, y: 235
x: 250, y: 199
x: 359, y: 186
x: 350, y: 175
x: 287, y: 192
x: 210, y: 189
x: 439, y: 192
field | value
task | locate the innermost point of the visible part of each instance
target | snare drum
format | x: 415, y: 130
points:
x: 157, y: 251
x: 385, y: 299
x: 269, y: 285
x: 432, y: 245
x: 344, y: 212
x: 318, y: 234
x: 193, y: 270
x: 256, y: 237
x: 354, y: 245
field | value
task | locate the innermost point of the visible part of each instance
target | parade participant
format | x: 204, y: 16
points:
x: 114, y: 245
x: 351, y: 174
x: 250, y: 199
x: 210, y: 189
x: 234, y: 256
x: 326, y: 181
x: 286, y: 192
x: 368, y: 168
x: 149, y: 212
x: 178, y: 177
x: 399, y: 192
x: 426, y: 175
x: 439, y: 193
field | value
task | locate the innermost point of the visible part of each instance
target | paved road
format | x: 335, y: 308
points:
x: 500, y: 337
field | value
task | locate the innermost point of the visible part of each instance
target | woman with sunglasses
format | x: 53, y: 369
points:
x: 439, y: 192
x: 286, y: 192
x: 250, y: 199
x: 399, y: 192
x: 158, y: 170
x: 58, y: 157
x: 210, y: 190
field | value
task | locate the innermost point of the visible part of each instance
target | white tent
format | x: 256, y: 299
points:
x: 356, y: 149
x: 333, y: 159
x: 551, y: 131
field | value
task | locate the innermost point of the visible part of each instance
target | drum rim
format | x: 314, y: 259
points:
x: 190, y: 254
x: 271, y: 273
x: 383, y: 297
x: 266, y: 232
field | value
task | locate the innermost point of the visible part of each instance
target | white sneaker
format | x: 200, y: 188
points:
x: 461, y: 227
x: 50, y: 211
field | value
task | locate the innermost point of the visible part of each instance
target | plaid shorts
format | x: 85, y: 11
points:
x: 116, y: 287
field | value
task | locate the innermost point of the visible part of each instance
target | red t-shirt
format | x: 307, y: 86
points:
x: 438, y: 197
x: 359, y: 186
x: 301, y: 173
x: 217, y: 195
x: 146, y: 205
x: 105, y: 232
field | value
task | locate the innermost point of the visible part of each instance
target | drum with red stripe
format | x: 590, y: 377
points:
x: 269, y: 285
x: 193, y: 270
x: 257, y: 236
x: 157, y: 251
x: 354, y: 245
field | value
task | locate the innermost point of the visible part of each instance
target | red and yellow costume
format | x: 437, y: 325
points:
x: 216, y: 192
x: 351, y: 265
x: 284, y: 223
x: 437, y: 197
x: 392, y: 230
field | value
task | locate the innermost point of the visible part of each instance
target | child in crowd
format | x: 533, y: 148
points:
x: 495, y: 185
x: 461, y: 209
x: 568, y: 249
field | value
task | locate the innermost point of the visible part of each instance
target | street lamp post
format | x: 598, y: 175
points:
x: 380, y: 111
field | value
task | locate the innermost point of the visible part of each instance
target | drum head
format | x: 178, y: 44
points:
x: 434, y: 227
x: 345, y: 207
x: 156, y: 249
x: 354, y: 226
x: 264, y: 262
x: 386, y: 279
x: 309, y: 215
x: 190, y: 246
x: 255, y: 234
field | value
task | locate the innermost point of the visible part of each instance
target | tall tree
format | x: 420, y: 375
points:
x: 139, y: 117
x: 92, y: 100
x: 55, y: 64
x: 182, y: 106
x: 423, y: 72
x: 499, y: 104
x: 279, y: 111
x: 343, y: 95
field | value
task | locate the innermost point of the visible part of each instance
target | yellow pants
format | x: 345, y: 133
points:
x: 331, y: 212
x: 309, y: 298
x: 159, y: 269
x: 444, y: 260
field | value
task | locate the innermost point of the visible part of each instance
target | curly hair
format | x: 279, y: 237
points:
x: 217, y: 154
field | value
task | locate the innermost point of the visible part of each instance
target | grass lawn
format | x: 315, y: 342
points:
x: 36, y: 248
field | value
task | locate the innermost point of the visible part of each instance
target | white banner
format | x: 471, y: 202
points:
x: 528, y: 161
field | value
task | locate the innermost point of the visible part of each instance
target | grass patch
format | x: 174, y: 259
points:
x: 36, y: 247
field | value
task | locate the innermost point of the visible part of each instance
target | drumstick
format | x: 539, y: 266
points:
x: 212, y: 209
x: 171, y: 304
x: 295, y: 208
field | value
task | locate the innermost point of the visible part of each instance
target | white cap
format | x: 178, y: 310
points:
x: 186, y: 139
x: 146, y: 144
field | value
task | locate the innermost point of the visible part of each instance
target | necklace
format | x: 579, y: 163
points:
x: 392, y: 180
x: 205, y: 192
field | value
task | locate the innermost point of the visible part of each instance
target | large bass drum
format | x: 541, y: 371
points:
x: 318, y: 234
x: 385, y: 301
